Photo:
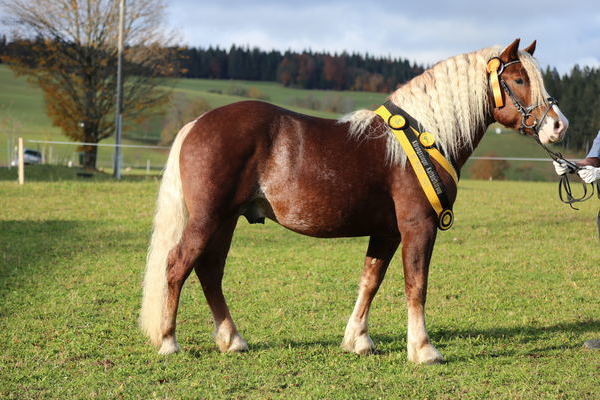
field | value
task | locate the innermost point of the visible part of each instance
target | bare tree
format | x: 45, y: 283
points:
x: 69, y: 49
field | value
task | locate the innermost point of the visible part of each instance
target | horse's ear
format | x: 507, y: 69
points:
x: 531, y: 48
x: 511, y: 52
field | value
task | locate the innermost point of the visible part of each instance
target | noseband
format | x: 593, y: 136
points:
x: 495, y: 68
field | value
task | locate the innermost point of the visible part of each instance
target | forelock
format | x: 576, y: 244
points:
x: 536, y: 80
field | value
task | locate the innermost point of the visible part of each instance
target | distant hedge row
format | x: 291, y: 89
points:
x: 307, y: 69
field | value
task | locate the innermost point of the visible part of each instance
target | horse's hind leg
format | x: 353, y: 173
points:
x: 379, y: 254
x: 209, y: 269
x: 181, y: 260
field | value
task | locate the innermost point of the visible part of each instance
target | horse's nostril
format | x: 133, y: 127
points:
x: 557, y: 125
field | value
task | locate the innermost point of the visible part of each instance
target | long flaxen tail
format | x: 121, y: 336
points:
x: 169, y: 221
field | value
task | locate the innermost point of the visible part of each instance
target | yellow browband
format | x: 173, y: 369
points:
x: 396, y: 123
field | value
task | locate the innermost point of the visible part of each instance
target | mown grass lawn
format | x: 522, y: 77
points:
x: 513, y: 295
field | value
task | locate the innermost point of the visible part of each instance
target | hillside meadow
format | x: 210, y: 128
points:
x: 22, y: 113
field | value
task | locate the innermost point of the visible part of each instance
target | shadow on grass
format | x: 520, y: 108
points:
x: 31, y: 249
x: 510, y: 339
x: 538, y: 338
x: 527, y: 333
x: 388, y: 344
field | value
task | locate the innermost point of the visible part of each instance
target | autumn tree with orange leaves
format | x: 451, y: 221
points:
x: 69, y: 49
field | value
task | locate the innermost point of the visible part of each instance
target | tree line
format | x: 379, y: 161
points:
x: 578, y: 93
x: 576, y: 90
x: 306, y: 69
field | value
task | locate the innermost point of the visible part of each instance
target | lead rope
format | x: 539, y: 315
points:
x: 495, y: 67
x: 565, y: 193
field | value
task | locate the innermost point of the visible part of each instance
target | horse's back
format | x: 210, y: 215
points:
x: 305, y: 172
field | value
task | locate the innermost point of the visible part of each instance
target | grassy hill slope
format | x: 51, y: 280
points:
x: 22, y: 113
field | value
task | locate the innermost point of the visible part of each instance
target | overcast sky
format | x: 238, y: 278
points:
x: 426, y: 31
x: 568, y: 32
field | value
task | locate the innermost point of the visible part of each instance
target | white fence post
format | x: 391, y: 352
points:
x: 9, y: 152
x: 147, y: 167
x: 21, y: 162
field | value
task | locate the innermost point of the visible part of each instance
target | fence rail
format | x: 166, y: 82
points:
x: 514, y: 159
x: 67, y: 153
x: 140, y: 162
x: 139, y: 146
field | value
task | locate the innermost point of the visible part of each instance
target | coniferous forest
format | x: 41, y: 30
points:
x: 306, y: 70
x: 577, y: 91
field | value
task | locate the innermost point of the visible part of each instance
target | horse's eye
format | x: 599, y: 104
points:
x: 519, y: 81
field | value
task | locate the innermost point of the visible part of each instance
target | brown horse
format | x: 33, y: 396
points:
x: 327, y: 178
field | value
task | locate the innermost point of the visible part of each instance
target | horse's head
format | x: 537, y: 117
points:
x: 520, y: 100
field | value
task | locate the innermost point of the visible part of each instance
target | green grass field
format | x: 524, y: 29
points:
x: 513, y: 294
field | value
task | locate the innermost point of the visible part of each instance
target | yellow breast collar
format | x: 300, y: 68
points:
x: 420, y: 147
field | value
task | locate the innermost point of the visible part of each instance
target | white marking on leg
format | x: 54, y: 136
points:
x: 419, y: 349
x: 356, y: 337
x: 228, y: 338
x: 169, y: 345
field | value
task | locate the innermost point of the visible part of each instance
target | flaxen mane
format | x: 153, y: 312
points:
x: 450, y: 99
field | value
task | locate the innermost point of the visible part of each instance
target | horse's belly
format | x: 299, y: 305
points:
x: 329, y: 214
x: 314, y: 188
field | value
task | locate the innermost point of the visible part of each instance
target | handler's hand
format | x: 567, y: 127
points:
x: 589, y: 174
x: 562, y: 168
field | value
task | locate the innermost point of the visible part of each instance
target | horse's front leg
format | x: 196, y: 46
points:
x: 417, y: 248
x: 379, y: 254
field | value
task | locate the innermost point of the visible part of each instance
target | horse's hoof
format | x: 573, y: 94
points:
x: 361, y: 345
x: 169, y: 346
x: 426, y: 355
x: 236, y: 344
x: 435, y: 359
